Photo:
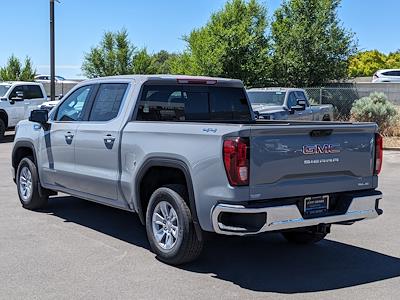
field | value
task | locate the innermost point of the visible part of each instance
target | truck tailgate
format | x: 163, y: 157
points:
x: 299, y: 160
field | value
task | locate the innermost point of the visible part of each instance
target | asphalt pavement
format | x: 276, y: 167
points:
x: 76, y: 249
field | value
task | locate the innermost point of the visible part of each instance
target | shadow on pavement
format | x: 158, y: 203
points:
x: 262, y: 263
x: 117, y: 223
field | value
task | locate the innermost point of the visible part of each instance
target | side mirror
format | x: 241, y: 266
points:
x: 60, y: 96
x: 300, y: 105
x: 40, y: 116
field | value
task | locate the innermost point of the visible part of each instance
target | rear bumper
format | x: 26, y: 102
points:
x: 289, y: 217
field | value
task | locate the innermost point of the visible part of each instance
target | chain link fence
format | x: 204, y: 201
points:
x: 343, y: 97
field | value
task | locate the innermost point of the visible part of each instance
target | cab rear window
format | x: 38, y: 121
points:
x: 193, y: 103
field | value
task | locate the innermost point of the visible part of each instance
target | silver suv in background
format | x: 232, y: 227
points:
x: 389, y: 75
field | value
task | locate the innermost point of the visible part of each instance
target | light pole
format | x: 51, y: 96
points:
x: 52, y: 53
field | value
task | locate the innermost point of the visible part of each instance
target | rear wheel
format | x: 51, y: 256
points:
x: 170, y: 228
x: 306, y: 236
x: 326, y: 118
x: 2, y: 129
x: 28, y: 185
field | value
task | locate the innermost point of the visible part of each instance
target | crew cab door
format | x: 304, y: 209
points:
x: 97, y: 143
x: 304, y: 114
x: 16, y: 107
x: 34, y: 96
x: 58, y: 145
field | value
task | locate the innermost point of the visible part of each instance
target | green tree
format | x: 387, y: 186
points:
x: 393, y: 60
x: 232, y: 44
x: 310, y: 47
x: 116, y: 55
x: 15, y: 71
x: 162, y: 62
x: 366, y: 63
x: 113, y: 56
x: 143, y: 63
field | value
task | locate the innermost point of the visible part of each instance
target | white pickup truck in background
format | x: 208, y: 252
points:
x: 17, y: 100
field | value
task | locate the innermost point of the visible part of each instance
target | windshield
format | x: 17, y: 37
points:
x: 4, y: 89
x: 267, y: 98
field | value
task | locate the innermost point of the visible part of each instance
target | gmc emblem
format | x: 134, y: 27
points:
x: 320, y: 149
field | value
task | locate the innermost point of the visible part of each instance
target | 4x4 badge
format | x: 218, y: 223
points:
x: 213, y: 130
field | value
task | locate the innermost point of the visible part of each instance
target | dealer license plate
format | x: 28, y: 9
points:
x: 316, y: 205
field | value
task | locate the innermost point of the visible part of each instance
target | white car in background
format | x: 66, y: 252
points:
x: 58, y: 79
x: 389, y: 75
x: 46, y: 78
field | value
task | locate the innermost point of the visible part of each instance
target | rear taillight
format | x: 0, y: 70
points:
x: 378, y: 153
x: 236, y: 160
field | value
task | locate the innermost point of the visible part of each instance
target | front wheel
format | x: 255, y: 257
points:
x: 170, y: 228
x: 28, y: 185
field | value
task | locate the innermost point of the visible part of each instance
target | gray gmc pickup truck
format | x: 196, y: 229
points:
x: 187, y: 155
x: 287, y: 104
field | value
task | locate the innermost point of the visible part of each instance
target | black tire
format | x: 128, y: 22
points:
x: 326, y: 118
x: 187, y: 246
x: 35, y: 200
x: 2, y: 129
x: 304, y: 236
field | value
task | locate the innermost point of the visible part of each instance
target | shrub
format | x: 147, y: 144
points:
x: 375, y: 108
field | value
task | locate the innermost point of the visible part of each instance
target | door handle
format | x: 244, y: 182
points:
x: 109, y: 141
x: 69, y: 137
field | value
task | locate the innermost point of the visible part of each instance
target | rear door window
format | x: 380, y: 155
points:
x: 33, y: 92
x: 108, y: 101
x: 193, y: 103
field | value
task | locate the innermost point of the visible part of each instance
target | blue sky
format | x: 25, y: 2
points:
x: 156, y: 24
